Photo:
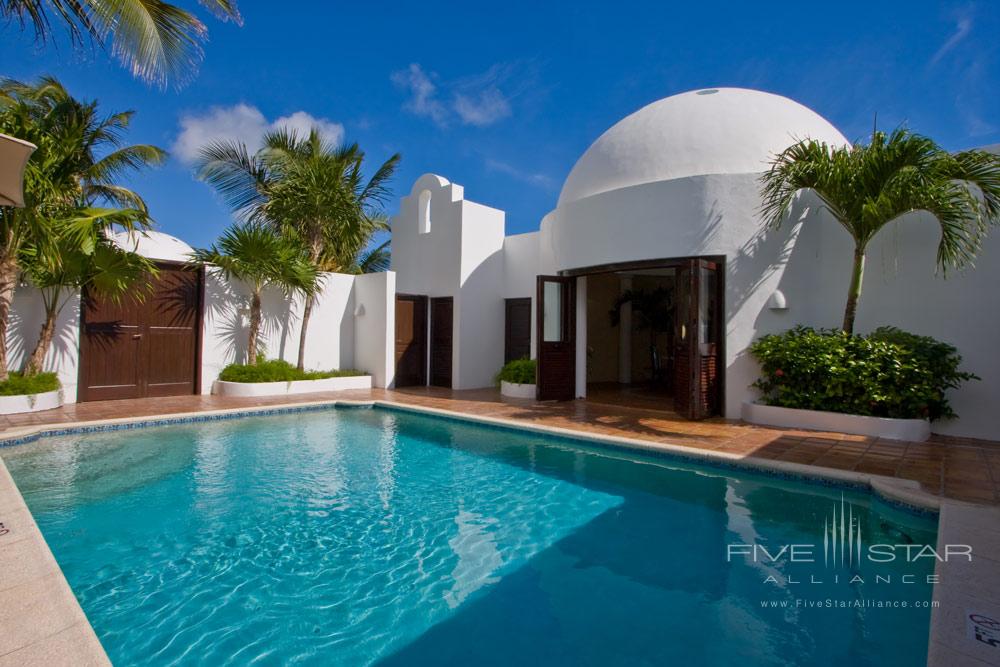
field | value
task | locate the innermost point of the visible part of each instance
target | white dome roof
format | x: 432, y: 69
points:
x: 711, y: 131
x: 155, y: 245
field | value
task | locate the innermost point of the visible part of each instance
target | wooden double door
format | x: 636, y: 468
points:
x: 424, y: 352
x: 698, y: 317
x: 143, y: 346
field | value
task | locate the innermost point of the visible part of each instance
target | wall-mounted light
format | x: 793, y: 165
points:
x: 777, y: 301
x: 360, y: 310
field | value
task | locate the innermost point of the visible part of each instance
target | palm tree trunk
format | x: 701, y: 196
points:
x: 306, y: 313
x: 8, y: 281
x: 254, y: 329
x: 315, y: 251
x: 37, y: 358
x: 857, y: 276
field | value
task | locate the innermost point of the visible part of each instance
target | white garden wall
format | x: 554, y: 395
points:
x: 26, y: 320
x: 347, y: 329
x: 375, y: 326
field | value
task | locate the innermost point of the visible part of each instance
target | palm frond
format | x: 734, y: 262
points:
x: 376, y: 260
x: 241, y: 179
x: 159, y: 42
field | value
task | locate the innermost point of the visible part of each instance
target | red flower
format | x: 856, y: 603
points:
x: 779, y: 373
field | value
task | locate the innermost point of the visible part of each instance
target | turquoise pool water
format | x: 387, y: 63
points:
x: 356, y: 536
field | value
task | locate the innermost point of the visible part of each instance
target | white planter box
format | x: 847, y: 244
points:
x: 916, y: 430
x: 514, y: 390
x: 222, y: 388
x: 50, y: 400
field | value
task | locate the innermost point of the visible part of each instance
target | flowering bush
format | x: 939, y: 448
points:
x: 889, y: 373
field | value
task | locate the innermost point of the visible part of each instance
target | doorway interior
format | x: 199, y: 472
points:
x: 631, y: 321
x: 654, y: 334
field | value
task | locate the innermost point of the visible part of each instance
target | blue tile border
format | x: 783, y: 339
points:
x: 168, y: 421
x: 595, y: 441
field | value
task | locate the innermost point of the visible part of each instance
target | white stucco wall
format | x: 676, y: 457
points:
x: 26, y: 319
x: 695, y: 216
x: 375, y: 326
x: 330, y: 340
x: 902, y: 290
x: 809, y: 261
x: 460, y: 257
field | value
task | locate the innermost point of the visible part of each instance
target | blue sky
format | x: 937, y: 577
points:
x: 503, y: 98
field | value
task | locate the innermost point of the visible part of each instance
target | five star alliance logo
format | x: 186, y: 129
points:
x: 842, y: 537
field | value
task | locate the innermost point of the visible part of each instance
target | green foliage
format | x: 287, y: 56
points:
x: 19, y: 385
x: 278, y: 370
x: 519, y: 371
x: 157, y: 41
x: 259, y: 256
x: 308, y: 189
x: 889, y: 373
x: 73, y: 200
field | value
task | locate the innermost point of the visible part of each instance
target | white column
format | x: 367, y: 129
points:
x: 625, y: 336
x: 581, y: 337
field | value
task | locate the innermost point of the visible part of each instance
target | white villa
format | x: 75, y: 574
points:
x: 663, y: 206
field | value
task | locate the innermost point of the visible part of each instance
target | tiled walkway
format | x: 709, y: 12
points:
x: 960, y: 469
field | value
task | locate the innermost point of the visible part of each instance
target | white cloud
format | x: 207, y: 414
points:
x: 423, y: 101
x: 474, y: 101
x: 531, y: 178
x: 487, y: 108
x: 246, y: 123
x: 963, y: 26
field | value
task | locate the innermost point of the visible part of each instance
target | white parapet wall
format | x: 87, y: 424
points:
x: 915, y: 430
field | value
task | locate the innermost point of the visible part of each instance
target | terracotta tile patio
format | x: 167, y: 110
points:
x: 962, y: 469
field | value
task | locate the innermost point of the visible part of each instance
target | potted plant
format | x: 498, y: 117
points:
x: 888, y: 384
x: 517, y: 378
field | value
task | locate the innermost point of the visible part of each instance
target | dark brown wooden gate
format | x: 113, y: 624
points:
x: 556, y: 331
x: 143, y: 347
x: 411, y: 340
x: 517, y: 329
x: 442, y: 330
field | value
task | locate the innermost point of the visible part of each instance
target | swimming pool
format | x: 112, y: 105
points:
x: 354, y: 536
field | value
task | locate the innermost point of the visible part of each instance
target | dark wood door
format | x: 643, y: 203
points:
x: 517, y: 329
x: 442, y: 328
x: 147, y: 346
x: 411, y: 340
x: 556, y: 331
x: 697, y: 337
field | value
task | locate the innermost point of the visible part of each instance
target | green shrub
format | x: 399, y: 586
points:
x: 277, y: 370
x: 889, y: 373
x: 18, y: 385
x: 519, y: 371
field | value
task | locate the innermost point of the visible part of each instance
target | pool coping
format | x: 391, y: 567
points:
x: 949, y: 642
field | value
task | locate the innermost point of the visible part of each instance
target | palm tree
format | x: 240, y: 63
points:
x: 157, y: 41
x: 865, y: 187
x: 81, y: 154
x: 259, y: 257
x: 106, y: 271
x: 374, y: 260
x: 307, y: 189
